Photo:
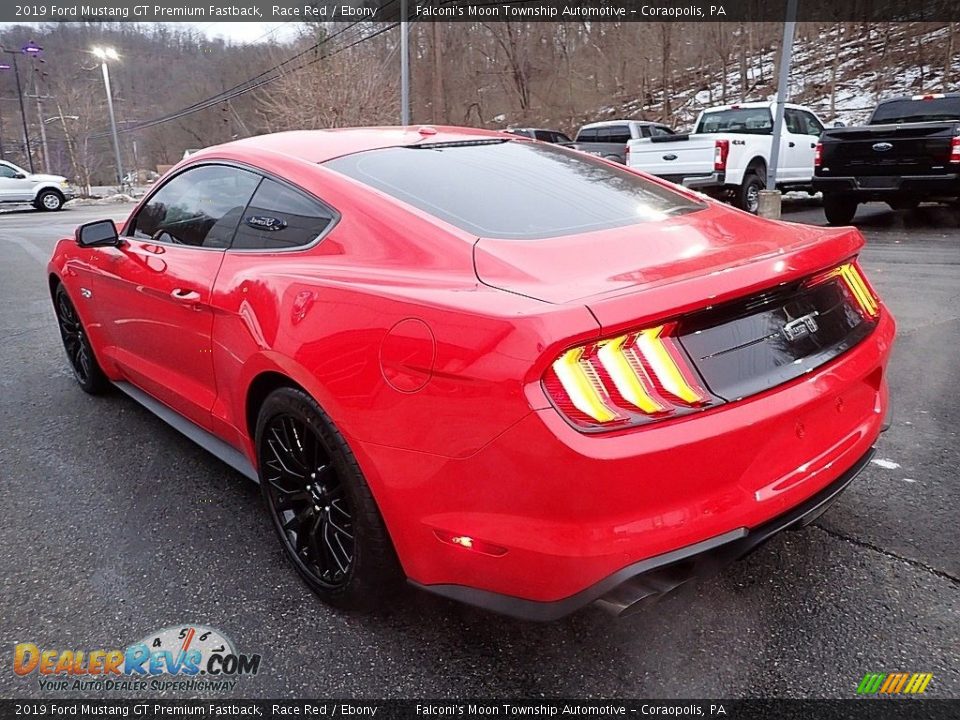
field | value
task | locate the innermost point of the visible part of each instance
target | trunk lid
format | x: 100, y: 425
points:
x: 884, y: 150
x: 677, y: 156
x: 678, y: 264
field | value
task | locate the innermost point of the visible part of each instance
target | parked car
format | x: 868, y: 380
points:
x: 609, y: 138
x: 544, y: 135
x: 512, y: 373
x: 728, y: 153
x: 908, y: 152
x: 44, y: 192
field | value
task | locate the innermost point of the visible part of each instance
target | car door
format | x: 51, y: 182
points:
x: 797, y: 148
x: 280, y: 220
x: 810, y: 129
x: 14, y: 185
x: 159, y: 285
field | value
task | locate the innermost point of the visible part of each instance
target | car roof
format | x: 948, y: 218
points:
x: 317, y: 146
x: 751, y: 105
x: 607, y: 123
x: 919, y: 96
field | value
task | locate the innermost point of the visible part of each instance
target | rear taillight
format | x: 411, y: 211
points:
x: 626, y: 156
x: 720, y: 151
x: 818, y: 155
x: 955, y: 150
x: 855, y: 285
x: 625, y: 380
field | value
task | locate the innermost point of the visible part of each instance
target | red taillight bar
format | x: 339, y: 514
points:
x: 856, y: 286
x: 645, y: 375
x: 721, y: 150
x: 818, y: 155
x: 625, y: 380
x: 955, y: 150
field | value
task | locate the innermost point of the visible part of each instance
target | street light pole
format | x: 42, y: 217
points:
x: 786, y: 52
x: 404, y: 65
x: 105, y: 54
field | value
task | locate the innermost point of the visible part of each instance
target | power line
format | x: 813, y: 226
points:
x: 263, y: 78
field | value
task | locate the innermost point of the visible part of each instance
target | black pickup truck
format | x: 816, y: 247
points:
x: 908, y: 153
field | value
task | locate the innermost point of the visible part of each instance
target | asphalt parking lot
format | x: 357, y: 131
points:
x: 114, y: 525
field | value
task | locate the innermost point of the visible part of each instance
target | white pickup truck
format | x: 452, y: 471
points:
x: 728, y: 153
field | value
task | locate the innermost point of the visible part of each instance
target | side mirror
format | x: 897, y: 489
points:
x: 839, y: 123
x: 19, y: 176
x: 99, y: 233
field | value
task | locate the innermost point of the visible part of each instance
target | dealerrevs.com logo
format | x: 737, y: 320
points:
x: 184, y: 658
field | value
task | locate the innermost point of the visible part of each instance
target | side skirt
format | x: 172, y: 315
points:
x: 212, y: 444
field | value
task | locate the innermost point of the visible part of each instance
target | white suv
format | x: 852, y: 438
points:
x: 44, y: 192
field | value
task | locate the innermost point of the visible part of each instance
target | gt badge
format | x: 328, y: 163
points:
x: 801, y: 327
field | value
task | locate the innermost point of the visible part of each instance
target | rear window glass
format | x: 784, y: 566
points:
x: 911, y: 111
x: 756, y: 121
x: 513, y: 190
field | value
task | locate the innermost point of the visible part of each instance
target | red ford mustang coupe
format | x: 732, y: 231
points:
x: 513, y: 374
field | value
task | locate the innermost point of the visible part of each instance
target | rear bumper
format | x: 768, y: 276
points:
x: 698, y: 182
x: 885, y: 186
x: 571, y: 511
x: 629, y: 589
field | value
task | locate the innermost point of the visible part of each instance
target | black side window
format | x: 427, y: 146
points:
x: 587, y: 135
x: 660, y: 131
x: 544, y: 136
x: 793, y: 121
x: 199, y: 207
x: 7, y: 171
x: 645, y: 131
x: 810, y: 124
x: 280, y: 217
x: 615, y: 134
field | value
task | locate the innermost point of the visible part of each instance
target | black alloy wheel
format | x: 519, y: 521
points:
x: 84, y: 364
x: 320, y: 505
x: 308, y: 500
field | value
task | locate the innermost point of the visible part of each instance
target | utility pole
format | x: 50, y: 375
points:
x: 404, y: 65
x: 23, y: 112
x: 2, y: 151
x: 768, y: 202
x: 786, y: 52
x: 70, y: 149
x: 43, y: 134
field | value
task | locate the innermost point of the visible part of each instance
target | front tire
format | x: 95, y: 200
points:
x: 90, y: 377
x: 839, y: 209
x: 49, y: 200
x: 321, y: 507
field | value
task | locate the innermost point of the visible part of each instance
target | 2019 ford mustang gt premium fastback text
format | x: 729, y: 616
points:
x: 511, y: 373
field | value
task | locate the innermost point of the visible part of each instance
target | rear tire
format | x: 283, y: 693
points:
x: 321, y: 507
x: 748, y: 194
x: 90, y: 377
x: 839, y: 209
x: 49, y: 200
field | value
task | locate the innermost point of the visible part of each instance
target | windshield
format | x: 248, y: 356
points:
x: 756, y: 121
x: 514, y: 190
x: 914, y: 111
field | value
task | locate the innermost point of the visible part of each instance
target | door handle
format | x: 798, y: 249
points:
x: 791, y: 144
x: 185, y: 295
